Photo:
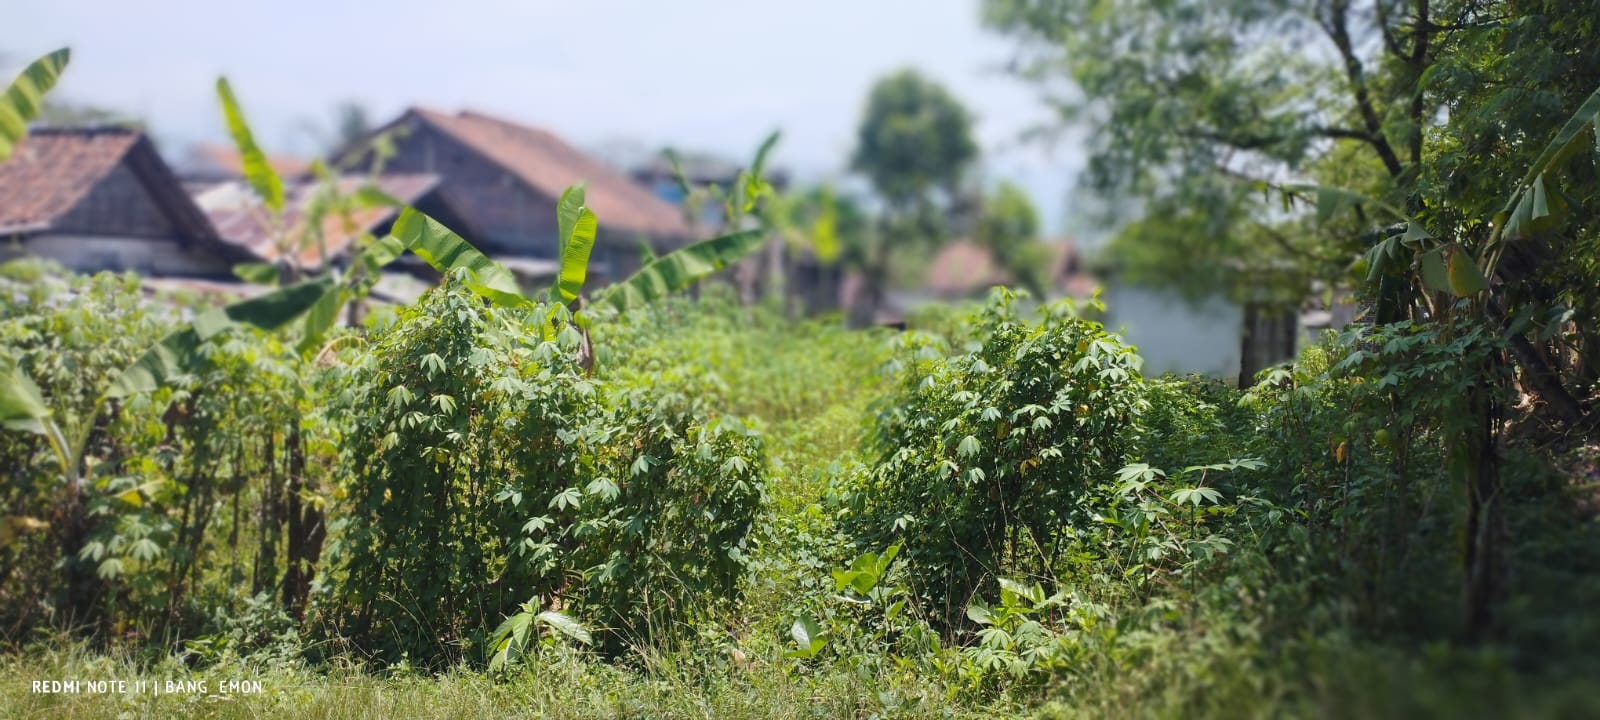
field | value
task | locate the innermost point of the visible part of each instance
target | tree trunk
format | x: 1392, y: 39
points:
x: 1485, y: 554
x: 268, y: 514
x: 306, y: 532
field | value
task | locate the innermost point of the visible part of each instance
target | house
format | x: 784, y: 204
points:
x: 965, y: 270
x: 699, y: 170
x: 507, y: 178
x: 1210, y: 334
x: 101, y: 198
x: 207, y: 164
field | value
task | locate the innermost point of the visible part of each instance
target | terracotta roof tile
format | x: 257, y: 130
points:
x: 548, y: 165
x: 963, y: 267
x: 52, y: 169
x: 206, y: 161
x: 240, y: 219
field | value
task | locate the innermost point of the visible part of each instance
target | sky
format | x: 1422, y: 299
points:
x: 699, y: 75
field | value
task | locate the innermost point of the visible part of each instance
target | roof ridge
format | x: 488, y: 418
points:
x: 546, y: 163
x: 90, y: 129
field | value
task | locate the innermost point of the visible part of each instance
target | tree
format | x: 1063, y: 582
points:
x: 1406, y: 125
x: 1189, y: 104
x: 347, y: 124
x: 352, y: 123
x: 915, y: 145
x: 1008, y: 225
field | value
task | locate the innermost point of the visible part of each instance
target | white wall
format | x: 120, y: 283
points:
x: 147, y: 256
x: 1175, y: 335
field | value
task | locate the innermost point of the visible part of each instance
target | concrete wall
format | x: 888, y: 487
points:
x: 146, y: 256
x: 1175, y: 335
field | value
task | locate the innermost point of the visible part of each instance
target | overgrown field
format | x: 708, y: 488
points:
x: 742, y: 515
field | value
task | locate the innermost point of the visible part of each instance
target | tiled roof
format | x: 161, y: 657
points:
x: 548, y: 165
x: 220, y: 162
x: 51, y: 170
x: 964, y: 268
x: 240, y: 219
x: 55, y: 168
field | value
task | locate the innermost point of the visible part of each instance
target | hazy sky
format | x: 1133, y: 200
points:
x: 713, y: 75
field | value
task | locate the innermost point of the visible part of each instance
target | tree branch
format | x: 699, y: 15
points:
x: 1336, y: 25
x: 1418, y: 60
x: 1257, y: 142
x: 1390, y: 42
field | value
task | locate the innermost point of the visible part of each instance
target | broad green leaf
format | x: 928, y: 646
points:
x: 381, y: 252
x: 25, y: 98
x: 1465, y: 277
x: 568, y: 209
x: 566, y: 625
x: 1566, y: 141
x: 1033, y: 594
x: 755, y: 186
x: 1529, y: 208
x: 678, y: 175
x: 448, y: 252
x: 177, y: 352
x: 370, y: 195
x: 322, y: 316
x: 679, y: 269
x: 759, y: 166
x: 808, y: 635
x: 1415, y: 234
x: 257, y: 273
x: 1378, y: 258
x: 22, y: 405
x: 576, y: 247
x: 257, y: 171
x: 1434, y: 273
x: 825, y: 230
x: 509, y: 641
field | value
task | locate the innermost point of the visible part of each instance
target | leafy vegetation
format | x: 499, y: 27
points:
x: 488, y: 503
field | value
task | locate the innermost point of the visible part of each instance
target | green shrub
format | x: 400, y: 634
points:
x: 484, y: 469
x: 71, y: 335
x: 982, y: 461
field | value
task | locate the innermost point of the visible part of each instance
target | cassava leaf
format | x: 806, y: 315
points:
x: 176, y: 353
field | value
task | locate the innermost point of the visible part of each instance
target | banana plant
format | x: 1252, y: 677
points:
x: 1533, y: 207
x: 24, y: 99
x: 264, y: 181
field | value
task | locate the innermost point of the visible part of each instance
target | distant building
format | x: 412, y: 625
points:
x: 965, y: 269
x: 507, y: 178
x: 236, y: 212
x: 699, y: 170
x: 101, y: 198
x: 1210, y: 335
x: 208, y: 164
